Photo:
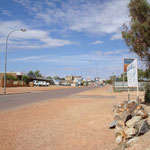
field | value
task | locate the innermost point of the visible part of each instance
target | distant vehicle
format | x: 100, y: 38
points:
x: 35, y: 82
x: 47, y: 83
x: 40, y: 83
x: 44, y: 83
x: 66, y: 84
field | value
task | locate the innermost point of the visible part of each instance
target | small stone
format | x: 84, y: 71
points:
x: 133, y: 101
x: 113, y: 124
x: 142, y: 113
x: 119, y: 139
x: 139, y: 107
x: 132, y: 141
x: 122, y: 104
x: 121, y: 123
x: 133, y: 121
x: 123, y: 145
x: 117, y: 117
x: 118, y: 130
x: 130, y: 132
x: 143, y: 128
x: 131, y: 106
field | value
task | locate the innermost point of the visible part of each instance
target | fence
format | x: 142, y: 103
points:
x: 123, y: 86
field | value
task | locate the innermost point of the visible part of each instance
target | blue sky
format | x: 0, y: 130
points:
x: 64, y: 37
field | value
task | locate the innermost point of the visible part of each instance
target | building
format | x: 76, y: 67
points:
x: 73, y: 79
x: 88, y: 79
x: 69, y: 78
x: 17, y: 75
x: 78, y: 79
x: 16, y: 79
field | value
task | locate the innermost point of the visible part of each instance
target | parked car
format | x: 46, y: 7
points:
x: 47, y: 83
x: 35, y: 82
x: 40, y: 83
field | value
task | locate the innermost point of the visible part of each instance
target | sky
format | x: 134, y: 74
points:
x: 64, y: 37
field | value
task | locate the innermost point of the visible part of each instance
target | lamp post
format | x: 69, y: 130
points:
x: 23, y: 30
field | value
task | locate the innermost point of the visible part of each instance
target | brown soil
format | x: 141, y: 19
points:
x: 16, y: 90
x: 79, y: 122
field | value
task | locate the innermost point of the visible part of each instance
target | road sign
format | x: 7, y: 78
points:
x: 132, y: 75
x: 126, y: 63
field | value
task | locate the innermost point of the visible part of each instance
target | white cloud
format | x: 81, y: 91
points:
x: 32, y: 38
x: 91, y: 16
x: 113, y: 52
x: 116, y: 36
x: 77, y: 59
x: 31, y: 58
x: 108, y: 62
x: 98, y: 42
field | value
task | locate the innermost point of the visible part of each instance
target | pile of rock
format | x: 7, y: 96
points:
x: 130, y: 121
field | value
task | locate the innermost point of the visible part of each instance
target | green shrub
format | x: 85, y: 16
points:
x: 25, y: 79
x: 10, y: 77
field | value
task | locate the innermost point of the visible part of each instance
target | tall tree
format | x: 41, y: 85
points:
x: 31, y: 73
x: 37, y: 73
x: 56, y: 77
x: 137, y: 34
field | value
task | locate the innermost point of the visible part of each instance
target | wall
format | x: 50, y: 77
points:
x: 13, y: 83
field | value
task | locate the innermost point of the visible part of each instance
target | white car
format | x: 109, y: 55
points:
x: 47, y: 83
x: 35, y: 82
x: 44, y: 83
x: 40, y: 83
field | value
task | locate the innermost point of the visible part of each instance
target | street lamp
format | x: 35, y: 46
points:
x: 23, y: 30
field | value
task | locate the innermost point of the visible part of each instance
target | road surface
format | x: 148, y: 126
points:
x: 18, y: 100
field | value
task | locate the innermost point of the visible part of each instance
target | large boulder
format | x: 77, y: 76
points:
x: 130, y: 132
x: 125, y: 116
x: 143, y: 128
x: 113, y: 124
x: 131, y: 123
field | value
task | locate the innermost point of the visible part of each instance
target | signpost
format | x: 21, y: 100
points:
x: 132, y: 76
x: 126, y: 63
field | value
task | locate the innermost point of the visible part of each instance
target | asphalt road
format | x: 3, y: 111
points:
x: 8, y: 102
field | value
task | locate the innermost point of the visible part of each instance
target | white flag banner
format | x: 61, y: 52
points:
x: 132, y: 75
